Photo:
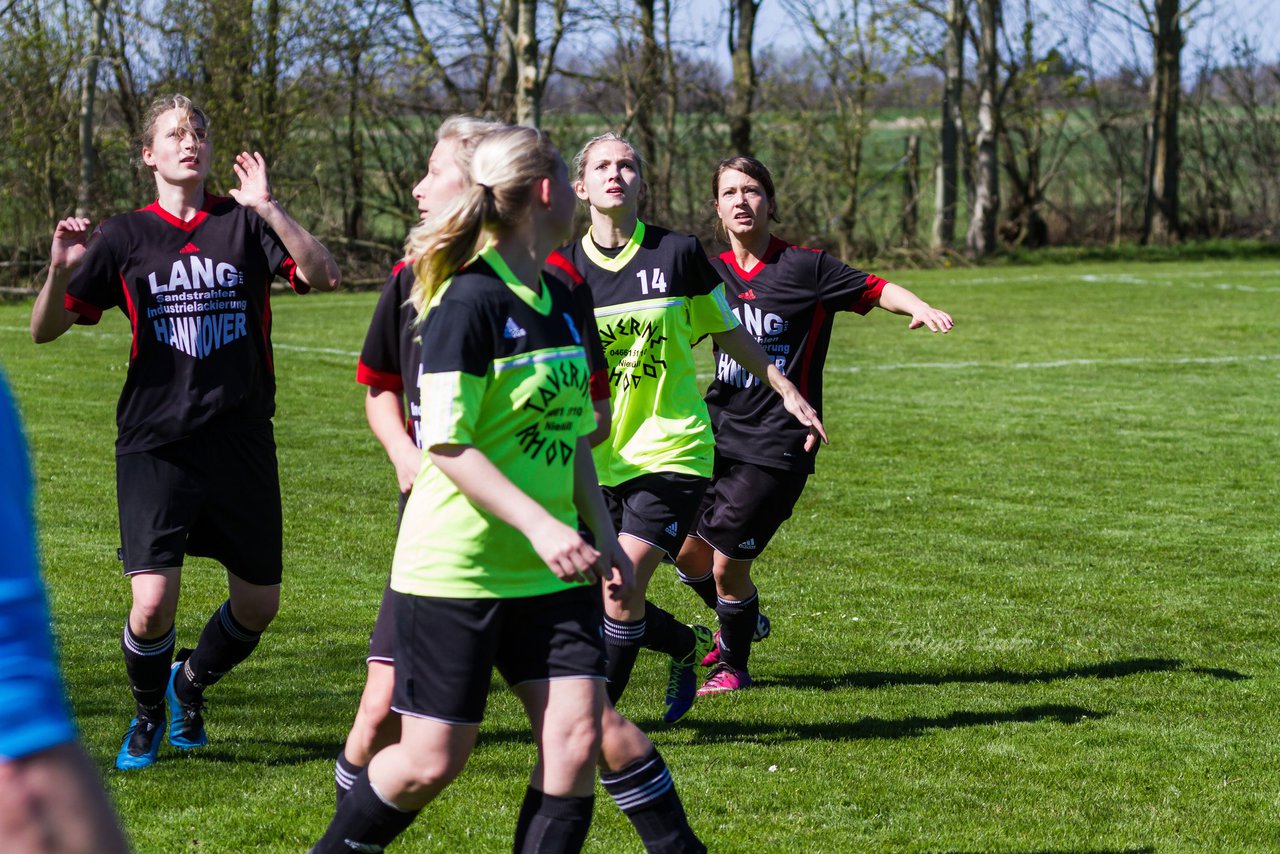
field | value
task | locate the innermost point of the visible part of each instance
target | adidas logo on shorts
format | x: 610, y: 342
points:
x: 513, y: 330
x: 749, y: 544
x: 671, y: 529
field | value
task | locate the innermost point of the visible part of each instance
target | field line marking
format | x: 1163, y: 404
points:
x: 275, y: 345
x: 1056, y: 363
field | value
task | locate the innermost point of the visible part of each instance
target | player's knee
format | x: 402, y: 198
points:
x: 150, y: 618
x: 431, y: 771
x: 256, y: 612
x: 574, y: 743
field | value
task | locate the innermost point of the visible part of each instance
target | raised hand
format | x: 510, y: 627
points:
x: 254, y: 191
x: 70, y: 239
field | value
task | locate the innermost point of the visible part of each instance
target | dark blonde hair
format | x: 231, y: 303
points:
x: 580, y: 159
x: 467, y: 131
x: 506, y: 165
x: 162, y: 105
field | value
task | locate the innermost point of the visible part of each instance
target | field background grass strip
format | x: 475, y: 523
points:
x: 1028, y: 602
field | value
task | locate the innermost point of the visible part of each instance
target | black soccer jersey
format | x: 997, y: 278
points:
x: 392, y: 346
x: 197, y: 297
x: 787, y: 302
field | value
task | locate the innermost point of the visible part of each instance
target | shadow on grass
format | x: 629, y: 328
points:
x: 877, y: 728
x: 1106, y: 670
x: 1143, y: 849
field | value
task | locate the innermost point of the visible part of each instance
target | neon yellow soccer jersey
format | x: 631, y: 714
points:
x: 654, y: 300
x: 504, y: 371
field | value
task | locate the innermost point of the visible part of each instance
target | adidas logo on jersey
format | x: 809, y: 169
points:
x: 189, y: 249
x: 749, y: 544
x: 747, y: 294
x: 513, y: 330
x: 671, y: 529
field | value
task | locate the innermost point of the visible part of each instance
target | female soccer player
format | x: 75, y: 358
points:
x: 655, y: 295
x: 195, y: 458
x: 489, y: 568
x: 786, y: 296
x: 389, y: 367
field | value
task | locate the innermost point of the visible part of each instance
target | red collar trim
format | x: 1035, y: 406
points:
x: 775, y: 248
x: 210, y: 202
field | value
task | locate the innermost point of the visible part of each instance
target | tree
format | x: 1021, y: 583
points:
x: 742, y: 13
x: 88, y: 95
x: 1164, y: 22
x: 981, y: 239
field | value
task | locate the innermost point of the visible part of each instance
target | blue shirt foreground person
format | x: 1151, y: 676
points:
x: 52, y: 800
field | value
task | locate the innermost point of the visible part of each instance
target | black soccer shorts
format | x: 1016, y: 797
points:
x: 657, y: 508
x: 446, y: 649
x: 215, y: 494
x: 745, y: 505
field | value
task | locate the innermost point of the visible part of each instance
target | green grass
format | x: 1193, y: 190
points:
x: 1028, y: 603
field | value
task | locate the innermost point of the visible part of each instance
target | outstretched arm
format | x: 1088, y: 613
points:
x: 746, y: 351
x: 316, y: 266
x: 50, y: 318
x: 899, y: 300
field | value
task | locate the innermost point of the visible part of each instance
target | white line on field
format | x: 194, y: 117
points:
x: 275, y: 345
x: 1057, y: 363
x: 905, y: 366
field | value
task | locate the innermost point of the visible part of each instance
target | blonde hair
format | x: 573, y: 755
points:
x: 158, y: 108
x: 467, y: 131
x: 505, y: 167
x: 580, y: 159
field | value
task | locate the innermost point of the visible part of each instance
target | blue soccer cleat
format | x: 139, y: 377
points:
x: 141, y: 744
x: 682, y: 682
x: 186, y: 721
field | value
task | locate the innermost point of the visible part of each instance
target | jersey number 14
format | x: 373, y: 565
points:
x: 658, y: 283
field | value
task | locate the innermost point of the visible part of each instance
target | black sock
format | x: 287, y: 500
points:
x: 622, y: 642
x: 560, y: 824
x: 363, y: 818
x: 146, y: 663
x: 345, y: 773
x: 737, y: 628
x: 528, y: 809
x: 645, y: 792
x: 224, y: 643
x: 666, y: 634
x: 705, y: 587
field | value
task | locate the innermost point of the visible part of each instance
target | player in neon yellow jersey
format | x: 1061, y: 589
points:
x: 490, y: 569
x: 655, y: 295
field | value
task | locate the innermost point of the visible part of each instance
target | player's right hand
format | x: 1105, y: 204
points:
x: 70, y: 238
x: 565, y: 553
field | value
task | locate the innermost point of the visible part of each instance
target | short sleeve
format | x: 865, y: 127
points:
x: 710, y: 313
x: 451, y: 403
x: 379, y: 366
x: 458, y: 348
x: 843, y: 288
x: 95, y: 284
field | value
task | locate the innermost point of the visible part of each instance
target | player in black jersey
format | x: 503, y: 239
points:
x: 195, y: 458
x: 655, y: 296
x: 505, y: 412
x: 786, y: 296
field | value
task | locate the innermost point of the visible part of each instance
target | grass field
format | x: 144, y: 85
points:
x: 1028, y: 603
